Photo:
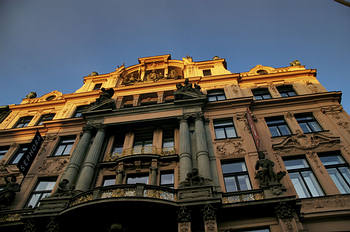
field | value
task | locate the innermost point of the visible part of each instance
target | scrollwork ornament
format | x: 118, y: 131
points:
x: 209, y: 212
x: 284, y: 211
x: 183, y: 214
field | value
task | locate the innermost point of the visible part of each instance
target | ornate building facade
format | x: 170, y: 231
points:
x: 178, y: 145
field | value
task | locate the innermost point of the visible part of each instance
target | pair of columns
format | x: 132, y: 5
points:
x: 81, y: 167
x: 202, y: 153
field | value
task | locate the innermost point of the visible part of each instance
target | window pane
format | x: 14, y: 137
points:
x: 284, y: 130
x: 109, y: 182
x: 338, y: 180
x: 59, y: 150
x: 296, y: 164
x: 230, y: 184
x: 167, y: 179
x: 45, y: 185
x: 212, y: 98
x: 244, y: 182
x: 67, y: 150
x: 220, y: 133
x: 137, y: 179
x: 312, y: 183
x: 221, y: 97
x: 299, y: 185
x: 230, y: 132
x: 34, y: 200
x: 346, y: 173
x: 233, y: 167
x: 305, y: 127
x: 332, y: 159
x: 17, y: 158
x: 315, y: 126
x: 274, y: 131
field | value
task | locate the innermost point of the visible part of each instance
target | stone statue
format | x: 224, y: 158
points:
x: 7, y: 195
x: 104, y: 101
x: 63, y: 189
x: 193, y: 178
x: 266, y: 175
x: 31, y: 95
x: 187, y: 91
x: 295, y: 63
x: 93, y: 74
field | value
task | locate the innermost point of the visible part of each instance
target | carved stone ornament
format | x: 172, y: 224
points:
x: 305, y: 142
x: 295, y: 63
x: 193, y: 178
x: 52, y: 166
x: 31, y: 95
x: 230, y: 148
x: 53, y: 225
x: 188, y: 91
x: 209, y: 212
x: 104, y: 101
x: 183, y: 214
x: 267, y: 177
x: 284, y: 211
x: 63, y: 189
x: 8, y: 193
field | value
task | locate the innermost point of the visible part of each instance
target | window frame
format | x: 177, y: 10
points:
x: 207, y: 72
x: 218, y: 125
x: 304, y: 183
x: 272, y: 122
x: 23, y: 121
x: 235, y: 175
x: 261, y: 96
x: 286, y: 90
x: 215, y: 95
x: 61, y: 142
x: 167, y: 172
x: 42, y: 193
x: 108, y: 178
x: 19, y: 153
x: 3, y: 151
x: 337, y: 167
x: 309, y: 127
x: 78, y: 113
x: 97, y: 86
x: 137, y: 175
x: 145, y: 141
x: 42, y: 118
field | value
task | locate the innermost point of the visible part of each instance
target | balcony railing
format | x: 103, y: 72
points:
x: 143, y: 150
x: 125, y: 191
x: 242, y: 196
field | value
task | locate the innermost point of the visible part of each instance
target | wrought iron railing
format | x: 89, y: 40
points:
x: 143, y: 150
x: 125, y: 191
x: 242, y: 196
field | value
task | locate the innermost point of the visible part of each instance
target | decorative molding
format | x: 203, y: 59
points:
x: 231, y: 148
x: 284, y: 211
x: 209, y: 212
x: 183, y: 214
x: 53, y: 165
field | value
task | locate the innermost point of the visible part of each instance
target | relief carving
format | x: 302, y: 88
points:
x: 230, y: 148
x: 52, y: 165
x: 183, y: 214
x: 312, y: 87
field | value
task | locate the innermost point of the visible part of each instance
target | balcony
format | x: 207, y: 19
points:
x: 131, y: 191
x: 243, y: 196
x: 145, y: 150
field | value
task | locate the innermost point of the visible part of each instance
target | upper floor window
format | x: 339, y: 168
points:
x: 127, y: 101
x: 148, y: 99
x: 118, y: 143
x: 235, y: 176
x: 65, y: 146
x: 97, y: 86
x: 45, y: 118
x: 304, y: 181
x: 143, y: 143
x: 167, y: 179
x: 206, y: 72
x: 261, y: 93
x: 18, y: 155
x: 3, y: 151
x: 277, y: 126
x: 108, y: 181
x: 308, y: 123
x: 42, y: 189
x: 23, y: 122
x: 338, y: 169
x: 224, y: 129
x: 216, y: 95
x: 79, y: 111
x: 286, y: 91
x: 137, y: 179
x: 168, y: 141
x: 169, y: 96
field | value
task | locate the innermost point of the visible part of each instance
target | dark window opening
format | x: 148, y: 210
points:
x: 236, y: 176
x: 148, y: 99
x: 261, y: 94
x: 308, y: 123
x: 79, y: 111
x: 286, y: 91
x: 45, y: 118
x: 23, y: 122
x: 65, y: 146
x: 108, y: 181
x: 277, y: 126
x: 20, y: 152
x: 97, y: 86
x: 216, y: 95
x: 43, y: 189
x: 206, y: 72
x: 224, y: 129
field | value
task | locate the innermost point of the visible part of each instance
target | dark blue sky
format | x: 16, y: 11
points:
x: 48, y: 45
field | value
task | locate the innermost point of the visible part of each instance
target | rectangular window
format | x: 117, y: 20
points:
x: 137, y: 179
x: 168, y: 141
x: 65, y: 146
x: 97, y: 86
x: 108, y: 181
x: 148, y: 99
x: 79, y: 111
x: 206, y: 72
x: 45, y: 118
x: 143, y: 143
x: 23, y: 122
x: 304, y: 181
x: 42, y: 189
x: 167, y: 179
x: 338, y: 169
x: 118, y: 144
x: 286, y: 91
x: 308, y: 123
x: 20, y: 152
x: 277, y: 126
x: 224, y: 129
x: 128, y: 101
x: 3, y: 151
x: 235, y: 176
x: 216, y: 95
x: 261, y: 93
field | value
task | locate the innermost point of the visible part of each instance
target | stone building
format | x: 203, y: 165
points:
x: 178, y: 145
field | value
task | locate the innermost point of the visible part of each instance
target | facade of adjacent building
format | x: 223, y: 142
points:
x: 178, y: 145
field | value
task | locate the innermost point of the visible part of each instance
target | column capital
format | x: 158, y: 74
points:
x: 184, y: 117
x: 209, y: 212
x: 199, y: 116
x: 183, y: 214
x: 88, y: 128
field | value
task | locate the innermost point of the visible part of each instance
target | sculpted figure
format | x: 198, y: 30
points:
x: 7, y: 195
x: 31, y: 95
x: 193, y: 178
x: 62, y: 189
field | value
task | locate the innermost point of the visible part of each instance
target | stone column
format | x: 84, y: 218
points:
x: 184, y: 220
x: 185, y: 160
x: 120, y: 174
x: 153, y: 171
x: 88, y: 167
x: 209, y: 218
x: 202, y: 148
x: 77, y: 158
